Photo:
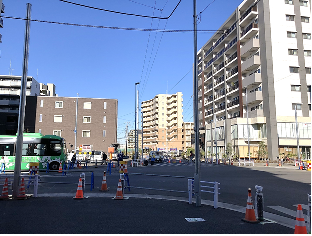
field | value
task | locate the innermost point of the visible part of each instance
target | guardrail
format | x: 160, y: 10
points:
x: 215, y: 190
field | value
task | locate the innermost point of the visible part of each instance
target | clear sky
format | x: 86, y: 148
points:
x: 106, y: 63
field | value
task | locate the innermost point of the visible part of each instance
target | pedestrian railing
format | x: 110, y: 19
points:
x: 213, y: 187
x: 29, y: 180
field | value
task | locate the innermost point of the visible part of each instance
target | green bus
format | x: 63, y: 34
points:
x: 36, y: 148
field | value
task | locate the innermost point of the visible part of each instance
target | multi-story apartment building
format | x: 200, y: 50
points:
x: 162, y: 122
x: 260, y: 68
x: 47, y: 89
x: 188, y: 131
x: 131, y: 139
x: 96, y: 120
x: 10, y: 88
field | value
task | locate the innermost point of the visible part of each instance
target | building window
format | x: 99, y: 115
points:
x: 87, y: 105
x: 41, y: 103
x: 289, y: 2
x: 40, y: 118
x: 105, y: 105
x: 291, y: 34
x: 306, y: 35
x: 293, y: 69
x: 58, y: 118
x: 307, y: 53
x: 290, y: 18
x: 303, y: 3
x: 305, y: 19
x: 86, y: 119
x: 57, y: 132
x: 104, y: 119
x: 86, y: 133
x: 39, y: 131
x: 59, y: 104
x: 296, y: 88
x: 162, y: 125
x: 294, y: 106
x: 308, y: 70
x: 293, y: 52
x: 104, y: 133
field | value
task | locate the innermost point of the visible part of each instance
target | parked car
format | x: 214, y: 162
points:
x: 157, y: 155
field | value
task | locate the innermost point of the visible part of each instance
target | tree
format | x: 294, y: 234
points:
x: 262, y: 151
x: 228, y: 151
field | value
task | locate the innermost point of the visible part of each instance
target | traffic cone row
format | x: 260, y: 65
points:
x: 104, y: 184
x: 5, y: 190
x: 250, y: 215
x: 300, y: 227
x: 21, y: 191
x: 79, y: 192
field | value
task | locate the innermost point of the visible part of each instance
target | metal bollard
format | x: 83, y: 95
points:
x: 96, y: 163
x: 259, y: 203
x: 190, y: 189
x: 309, y: 214
x: 92, y: 181
x: 216, y: 193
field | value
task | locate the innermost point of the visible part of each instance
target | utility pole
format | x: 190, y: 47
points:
x: 22, y: 105
x: 76, y: 119
x: 196, y: 129
x: 135, y: 120
x: 127, y: 140
x: 297, y: 133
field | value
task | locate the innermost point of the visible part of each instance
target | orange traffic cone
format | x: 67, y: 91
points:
x: 104, y: 184
x: 21, y: 191
x: 180, y: 161
x: 5, y: 190
x: 119, y: 195
x: 125, y: 168
x: 79, y: 193
x: 60, y: 168
x: 250, y: 215
x: 300, y: 227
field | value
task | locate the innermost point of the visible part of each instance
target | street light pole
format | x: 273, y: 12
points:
x: 22, y: 104
x: 135, y: 120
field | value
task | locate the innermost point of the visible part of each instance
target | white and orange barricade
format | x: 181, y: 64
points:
x: 123, y: 167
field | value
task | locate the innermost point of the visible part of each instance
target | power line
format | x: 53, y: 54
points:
x: 180, y: 80
x: 123, y: 13
x: 207, y: 7
x: 147, y: 5
x: 109, y: 27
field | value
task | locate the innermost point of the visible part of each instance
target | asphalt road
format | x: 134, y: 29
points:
x: 143, y: 213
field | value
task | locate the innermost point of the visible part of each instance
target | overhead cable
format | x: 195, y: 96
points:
x: 110, y: 27
x: 123, y: 13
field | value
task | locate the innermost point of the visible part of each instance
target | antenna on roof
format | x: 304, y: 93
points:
x: 10, y: 69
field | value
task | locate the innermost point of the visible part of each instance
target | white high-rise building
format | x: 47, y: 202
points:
x: 260, y: 67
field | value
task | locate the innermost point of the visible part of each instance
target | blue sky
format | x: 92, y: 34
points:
x: 106, y: 63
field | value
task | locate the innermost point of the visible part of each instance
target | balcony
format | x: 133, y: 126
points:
x: 253, y: 79
x: 255, y: 113
x: 251, y: 64
x: 248, y: 15
x: 250, y: 47
x: 254, y: 97
x: 249, y: 32
x: 232, y: 72
x: 200, y: 82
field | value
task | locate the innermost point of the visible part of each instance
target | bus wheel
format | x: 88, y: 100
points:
x: 54, y: 165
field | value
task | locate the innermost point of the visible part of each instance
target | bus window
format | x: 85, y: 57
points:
x: 7, y: 149
x: 55, y: 149
x: 40, y: 149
